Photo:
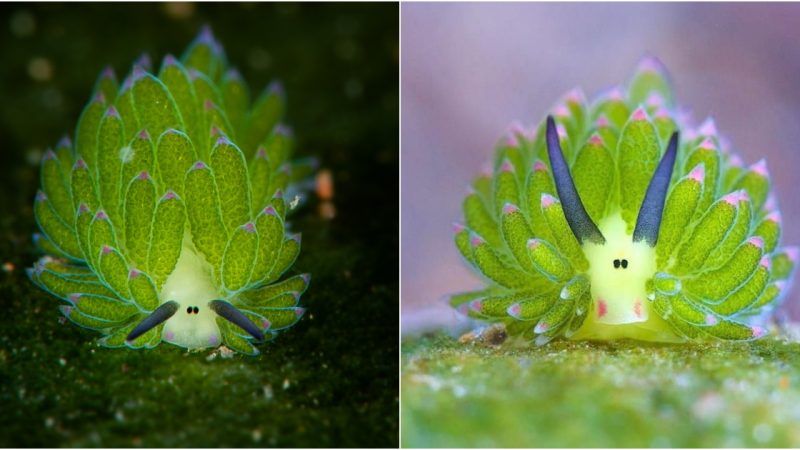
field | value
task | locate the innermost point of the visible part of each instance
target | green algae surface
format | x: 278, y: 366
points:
x: 616, y: 394
x: 330, y: 381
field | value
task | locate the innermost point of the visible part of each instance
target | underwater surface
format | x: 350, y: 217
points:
x: 600, y: 394
x: 331, y: 380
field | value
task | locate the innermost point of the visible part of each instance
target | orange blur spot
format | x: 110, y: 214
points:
x: 324, y: 184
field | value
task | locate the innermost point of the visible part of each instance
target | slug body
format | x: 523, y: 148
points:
x: 620, y: 219
x: 165, y: 220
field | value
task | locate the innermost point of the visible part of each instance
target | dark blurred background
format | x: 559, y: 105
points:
x: 469, y: 70
x: 332, y: 380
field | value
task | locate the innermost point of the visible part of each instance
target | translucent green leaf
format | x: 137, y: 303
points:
x: 286, y: 257
x: 575, y: 288
x: 236, y: 98
x: 281, y: 318
x: 62, y: 286
x: 66, y: 159
x: 278, y: 183
x: 709, y: 156
x: 106, y: 85
x: 56, y: 187
x: 516, y: 233
x: 83, y: 220
x: 167, y: 237
x: 639, y: 154
x: 58, y: 232
x: 562, y: 234
x: 548, y: 261
x: 118, y: 338
x: 582, y: 306
x: 137, y: 157
x: 124, y: 105
x: 538, y: 182
x: 679, y: 209
x: 140, y: 203
x: 716, y: 284
x: 101, y: 234
x: 205, y: 54
x: 264, y: 116
x: 176, y: 79
x: 650, y: 79
x: 594, y: 173
x: 102, y: 307
x: 278, y: 145
x: 109, y: 164
x: 88, y: 125
x: 530, y: 306
x: 114, y: 270
x: 479, y: 219
x: 175, y: 155
x: 239, y: 257
x: 738, y: 232
x: 516, y: 160
x: 769, y: 295
x: 270, y: 295
x: 143, y: 290
x: 746, y: 294
x: 555, y: 317
x: 230, y: 174
x: 270, y: 240
x: 461, y: 237
x: 65, y: 269
x: 490, y: 264
x: 756, y: 181
x: 85, y: 321
x: 260, y: 171
x: 613, y: 107
x: 83, y: 188
x: 154, y: 106
x: 506, y: 189
x: 735, y: 331
x: 233, y: 340
x: 203, y: 211
x: 462, y: 298
x: 215, y: 120
x: 666, y: 284
x: 707, y: 234
x: 783, y: 262
x: 770, y: 230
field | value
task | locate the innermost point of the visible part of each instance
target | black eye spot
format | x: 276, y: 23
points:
x: 188, y: 310
x: 624, y: 265
x: 196, y: 309
x: 616, y: 264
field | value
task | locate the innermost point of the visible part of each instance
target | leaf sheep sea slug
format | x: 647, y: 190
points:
x: 618, y: 219
x: 164, y: 220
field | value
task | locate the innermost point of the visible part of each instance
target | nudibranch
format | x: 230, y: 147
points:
x: 620, y: 219
x: 165, y: 219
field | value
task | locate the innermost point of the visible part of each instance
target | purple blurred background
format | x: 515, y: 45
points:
x: 469, y: 70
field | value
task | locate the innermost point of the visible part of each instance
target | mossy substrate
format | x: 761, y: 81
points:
x: 613, y: 394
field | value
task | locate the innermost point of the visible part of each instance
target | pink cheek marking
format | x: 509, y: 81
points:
x: 602, y: 308
x: 637, y: 308
x: 213, y: 340
x: 169, y: 335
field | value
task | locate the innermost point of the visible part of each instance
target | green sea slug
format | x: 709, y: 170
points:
x: 619, y: 219
x: 165, y: 219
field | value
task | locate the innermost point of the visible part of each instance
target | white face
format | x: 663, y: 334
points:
x: 191, y: 285
x: 618, y: 271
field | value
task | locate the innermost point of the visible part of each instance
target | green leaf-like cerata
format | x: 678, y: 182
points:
x: 621, y: 219
x: 165, y: 220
